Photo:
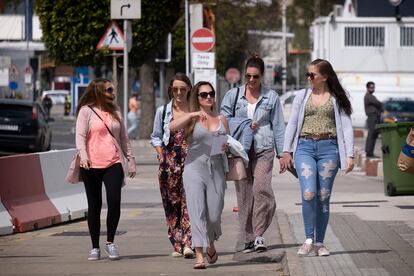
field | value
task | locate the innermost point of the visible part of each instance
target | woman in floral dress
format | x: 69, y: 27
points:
x: 172, y: 151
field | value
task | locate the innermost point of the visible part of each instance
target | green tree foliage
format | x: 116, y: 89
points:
x: 300, y: 16
x: 72, y: 29
x: 233, y: 20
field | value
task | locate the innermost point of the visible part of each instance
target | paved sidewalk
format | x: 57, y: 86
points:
x: 369, y: 234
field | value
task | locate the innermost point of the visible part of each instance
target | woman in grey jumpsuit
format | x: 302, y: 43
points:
x: 204, y: 174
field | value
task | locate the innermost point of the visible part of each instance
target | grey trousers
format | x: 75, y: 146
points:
x: 204, y: 184
x: 255, y: 197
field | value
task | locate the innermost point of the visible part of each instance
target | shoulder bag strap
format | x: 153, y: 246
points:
x: 163, y: 117
x: 110, y: 132
x: 235, y: 101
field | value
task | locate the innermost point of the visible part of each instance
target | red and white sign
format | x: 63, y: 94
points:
x: 203, y: 40
x: 113, y: 38
x: 232, y: 75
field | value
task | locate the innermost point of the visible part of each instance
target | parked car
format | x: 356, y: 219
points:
x: 24, y: 126
x: 57, y: 96
x: 398, y: 110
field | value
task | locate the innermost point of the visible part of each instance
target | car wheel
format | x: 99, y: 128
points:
x: 49, y: 146
x: 40, y: 146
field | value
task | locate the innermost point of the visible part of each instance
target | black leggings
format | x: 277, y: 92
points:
x: 112, y: 177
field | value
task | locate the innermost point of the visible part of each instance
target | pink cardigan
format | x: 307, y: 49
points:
x: 82, y: 130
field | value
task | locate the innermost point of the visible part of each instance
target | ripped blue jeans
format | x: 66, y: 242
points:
x: 317, y: 163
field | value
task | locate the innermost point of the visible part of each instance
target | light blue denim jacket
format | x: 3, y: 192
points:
x: 156, y: 137
x: 344, y: 131
x: 268, y: 114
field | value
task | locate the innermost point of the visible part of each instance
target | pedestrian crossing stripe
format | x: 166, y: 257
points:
x: 113, y: 38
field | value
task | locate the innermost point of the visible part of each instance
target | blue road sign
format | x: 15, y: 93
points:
x: 13, y: 85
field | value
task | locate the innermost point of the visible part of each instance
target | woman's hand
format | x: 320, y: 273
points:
x: 160, y: 157
x: 85, y: 164
x: 254, y: 125
x: 132, y: 174
x: 225, y: 147
x: 349, y: 164
x: 285, y: 162
x: 201, y: 114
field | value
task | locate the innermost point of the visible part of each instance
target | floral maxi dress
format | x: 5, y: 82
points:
x: 172, y: 190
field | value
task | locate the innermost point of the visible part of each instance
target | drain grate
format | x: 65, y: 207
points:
x: 359, y: 205
x: 353, y: 202
x: 405, y: 206
x: 82, y: 233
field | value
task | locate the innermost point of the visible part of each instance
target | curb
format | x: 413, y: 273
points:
x: 292, y: 264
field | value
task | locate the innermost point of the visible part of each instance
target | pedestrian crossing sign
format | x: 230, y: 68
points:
x: 113, y: 38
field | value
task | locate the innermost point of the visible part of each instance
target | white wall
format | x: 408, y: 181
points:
x: 328, y: 43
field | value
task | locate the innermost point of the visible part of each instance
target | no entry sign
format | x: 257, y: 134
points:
x: 203, y: 40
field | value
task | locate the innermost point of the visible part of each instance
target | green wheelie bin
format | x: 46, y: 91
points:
x: 393, y: 136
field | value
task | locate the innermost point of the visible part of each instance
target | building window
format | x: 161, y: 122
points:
x: 407, y: 36
x: 365, y: 36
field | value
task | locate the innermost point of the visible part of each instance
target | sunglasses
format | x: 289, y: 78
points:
x: 310, y: 75
x: 204, y: 95
x: 109, y: 90
x: 248, y: 76
x: 177, y: 89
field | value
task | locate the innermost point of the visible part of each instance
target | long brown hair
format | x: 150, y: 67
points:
x: 180, y: 77
x: 334, y: 86
x: 94, y: 95
x: 194, y: 105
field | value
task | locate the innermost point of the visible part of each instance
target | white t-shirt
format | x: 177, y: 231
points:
x: 250, y: 110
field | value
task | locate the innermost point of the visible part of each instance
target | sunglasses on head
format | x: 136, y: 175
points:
x: 249, y: 76
x: 310, y: 75
x: 204, y: 95
x: 176, y: 89
x: 109, y: 90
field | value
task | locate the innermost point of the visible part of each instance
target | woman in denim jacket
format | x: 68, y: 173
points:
x: 171, y: 148
x: 255, y: 197
x: 320, y: 135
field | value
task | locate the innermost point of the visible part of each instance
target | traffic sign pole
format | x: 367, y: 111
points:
x: 125, y: 76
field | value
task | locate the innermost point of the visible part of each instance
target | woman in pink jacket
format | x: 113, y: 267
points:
x: 103, y: 147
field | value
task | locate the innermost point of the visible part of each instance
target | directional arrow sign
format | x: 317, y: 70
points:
x: 203, y: 40
x: 125, y: 9
x: 113, y: 38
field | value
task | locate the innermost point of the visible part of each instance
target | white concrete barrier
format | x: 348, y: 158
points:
x: 6, y: 226
x: 69, y: 199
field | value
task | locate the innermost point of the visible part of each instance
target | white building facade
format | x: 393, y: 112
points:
x: 362, y: 49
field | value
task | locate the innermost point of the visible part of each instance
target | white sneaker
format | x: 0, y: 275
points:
x: 259, y: 244
x: 176, y: 254
x: 305, y: 249
x: 94, y: 254
x: 112, y: 250
x: 188, y: 252
x: 321, y: 250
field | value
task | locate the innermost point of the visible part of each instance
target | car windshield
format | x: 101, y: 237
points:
x: 15, y: 111
x: 399, y: 106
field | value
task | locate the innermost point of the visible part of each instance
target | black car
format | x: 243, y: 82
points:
x: 398, y: 110
x: 23, y: 126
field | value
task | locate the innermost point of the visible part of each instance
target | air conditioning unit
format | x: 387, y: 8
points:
x: 338, y: 10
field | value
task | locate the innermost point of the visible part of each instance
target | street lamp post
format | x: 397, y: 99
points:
x: 284, y: 64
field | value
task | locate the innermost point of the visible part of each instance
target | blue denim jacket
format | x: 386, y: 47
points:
x: 157, y: 139
x: 344, y: 130
x: 268, y: 114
